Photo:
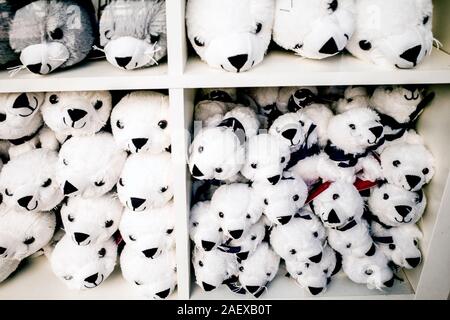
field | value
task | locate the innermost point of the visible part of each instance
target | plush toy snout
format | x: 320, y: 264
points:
x: 26, y: 104
x: 45, y: 57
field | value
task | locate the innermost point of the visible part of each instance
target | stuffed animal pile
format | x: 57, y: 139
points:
x: 320, y: 178
x: 66, y: 165
x: 235, y: 35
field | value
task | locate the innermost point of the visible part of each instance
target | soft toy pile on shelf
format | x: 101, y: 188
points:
x: 396, y: 34
x: 63, y: 168
x: 318, y: 177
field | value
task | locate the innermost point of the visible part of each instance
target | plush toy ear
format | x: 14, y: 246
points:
x: 371, y: 251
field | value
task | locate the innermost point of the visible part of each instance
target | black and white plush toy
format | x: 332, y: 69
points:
x: 53, y: 34
x: 322, y: 28
x: 392, y: 33
x: 140, y: 122
x: 90, y: 166
x: 205, y: 230
x: 233, y: 35
x: 219, y: 94
x: 133, y: 33
x: 146, y: 181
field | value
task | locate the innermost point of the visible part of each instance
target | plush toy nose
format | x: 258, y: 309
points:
x: 196, y: 173
x: 333, y: 217
x: 377, y: 131
x: 80, y: 237
x: 35, y: 68
x: 208, y: 287
x: 412, y: 54
x: 242, y: 255
x: 389, y: 283
x: 413, y: 262
x: 207, y: 245
x: 274, y: 180
x: 315, y: 291
x: 21, y: 102
x: 123, y: 62
x: 2, y: 250
x: 238, y: 61
x: 149, y: 253
x: 330, y: 47
x: 413, y: 181
x: 136, y: 202
x: 289, y: 133
x: 236, y: 234
x: 163, y: 294
x: 252, y: 289
x: 316, y: 259
x: 23, y: 202
x: 92, y: 279
x: 76, y: 114
x: 69, y: 188
x: 284, y: 220
x: 403, y: 210
x: 139, y: 143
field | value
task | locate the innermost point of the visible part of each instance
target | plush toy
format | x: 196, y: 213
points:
x: 28, y: 182
x: 374, y: 270
x: 293, y: 99
x: 354, y: 97
x: 83, y: 267
x: 315, y: 277
x: 151, y: 232
x: 392, y: 33
x: 302, y: 239
x: 90, y: 166
x: 256, y: 272
x: 210, y: 112
x: 7, y: 267
x: 236, y: 208
x: 205, y: 230
x: 400, y: 245
x: 283, y: 200
x: 213, y: 268
x: 219, y: 94
x: 53, y: 34
x: 266, y: 159
x: 322, y: 28
x: 146, y: 181
x: 394, y: 206
x: 154, y: 278
x: 141, y: 43
x: 140, y: 122
x: 76, y: 113
x: 410, y: 166
x: 233, y: 45
x: 243, y: 120
x: 91, y: 220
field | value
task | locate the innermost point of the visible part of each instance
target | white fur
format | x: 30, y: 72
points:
x: 320, y: 115
x: 291, y: 129
x: 210, y: 113
x: 219, y: 94
x: 7, y: 267
x: 247, y: 117
x: 205, y: 228
x: 292, y: 99
x: 354, y: 97
x: 355, y: 242
x: 250, y: 241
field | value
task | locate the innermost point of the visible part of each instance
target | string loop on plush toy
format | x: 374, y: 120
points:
x: 13, y: 71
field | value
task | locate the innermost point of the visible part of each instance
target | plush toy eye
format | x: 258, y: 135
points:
x: 258, y: 28
x: 121, y: 182
x: 67, y: 278
x: 7, y: 193
x: 198, y: 42
x: 200, y: 149
x: 426, y: 19
x: 307, y: 264
x: 220, y: 230
x: 426, y: 171
x: 200, y: 263
x: 415, y: 242
x: 299, y: 273
x: 241, y: 269
x: 293, y: 251
x: 57, y: 34
x: 283, y: 160
x: 65, y: 162
x: 266, y: 202
x: 248, y: 216
x: 99, y: 183
x: 53, y: 99
x: 298, y: 46
x: 315, y: 234
x: 369, y: 272
x: 109, y: 223
x: 335, y: 196
x: 301, y: 123
x: 396, y: 163
x: 333, y: 5
x: 350, y: 100
x: 98, y: 104
x: 253, y: 238
x: 195, y: 224
x: 349, y: 245
x: 169, y: 231
x: 70, y: 218
x: 325, y: 271
x: 296, y: 197
x: 385, y: 196
x: 138, y: 283
x: 102, y: 253
x: 389, y: 89
x: 162, y: 124
x: 108, y: 34
x: 119, y: 124
x: 219, y: 170
x: 29, y: 241
x: 365, y: 45
x: 154, y: 38
x: 392, y: 246
x: 352, y: 126
x: 254, y: 165
x: 2, y: 117
x: 221, y: 215
x: 164, y: 189
x: 131, y: 238
x: 47, y: 183
x: 268, y: 274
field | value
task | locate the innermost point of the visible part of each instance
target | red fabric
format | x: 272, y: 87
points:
x: 360, y: 185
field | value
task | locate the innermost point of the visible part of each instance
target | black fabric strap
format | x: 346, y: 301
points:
x: 18, y: 142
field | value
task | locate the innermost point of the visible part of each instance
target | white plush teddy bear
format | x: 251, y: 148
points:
x: 315, y: 277
x: 394, y: 206
x: 140, y: 122
x: 205, y: 228
x: 233, y: 35
x: 256, y: 272
x: 302, y: 239
x: 76, y: 113
x: 146, y: 181
x: 393, y: 33
x: 410, y: 166
x: 28, y: 182
x: 213, y: 268
x: 236, y: 207
x: 322, y: 28
x: 374, y: 270
x: 83, y: 267
x: 90, y: 166
x: 283, y: 200
x: 91, y: 220
x: 266, y: 159
x: 400, y: 245
x: 152, y: 278
x: 150, y: 232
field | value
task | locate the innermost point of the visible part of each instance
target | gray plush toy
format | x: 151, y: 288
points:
x: 53, y: 34
x: 133, y: 33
